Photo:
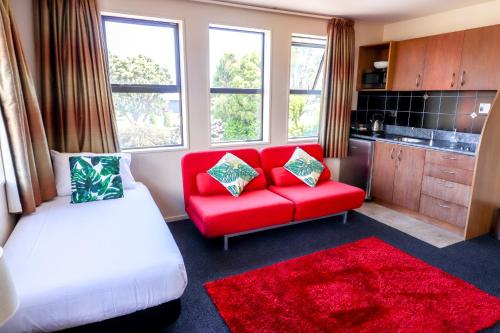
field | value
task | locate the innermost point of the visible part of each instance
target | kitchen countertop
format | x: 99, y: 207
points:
x: 444, y: 145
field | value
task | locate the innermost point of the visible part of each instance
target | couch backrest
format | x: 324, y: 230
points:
x: 198, y: 162
x: 277, y: 156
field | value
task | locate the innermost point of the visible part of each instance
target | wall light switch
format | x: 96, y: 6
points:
x: 484, y: 108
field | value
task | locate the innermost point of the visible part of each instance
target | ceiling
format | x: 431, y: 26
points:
x: 379, y: 10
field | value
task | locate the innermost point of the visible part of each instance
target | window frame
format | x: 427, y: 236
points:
x: 241, y: 91
x: 314, y: 92
x: 152, y: 88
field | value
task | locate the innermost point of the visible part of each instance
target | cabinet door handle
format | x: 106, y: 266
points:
x: 462, y: 79
x: 453, y: 80
x: 417, y: 81
x: 399, y: 155
x: 450, y: 158
x: 448, y: 172
x: 392, y: 153
x: 354, y: 147
x: 444, y: 206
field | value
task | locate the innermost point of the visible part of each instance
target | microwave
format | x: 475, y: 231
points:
x: 374, y: 79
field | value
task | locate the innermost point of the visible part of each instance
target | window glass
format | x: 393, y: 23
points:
x: 144, y: 71
x: 236, y: 84
x: 306, y: 79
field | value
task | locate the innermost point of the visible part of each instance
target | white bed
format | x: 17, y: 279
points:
x: 75, y: 264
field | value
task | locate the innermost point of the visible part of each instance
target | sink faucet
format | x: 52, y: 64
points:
x: 432, y: 136
x: 454, y: 136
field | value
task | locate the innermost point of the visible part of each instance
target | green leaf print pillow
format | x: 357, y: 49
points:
x: 305, y: 167
x: 232, y: 173
x: 95, y: 178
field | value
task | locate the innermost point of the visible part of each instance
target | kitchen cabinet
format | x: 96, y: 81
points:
x: 384, y: 170
x: 397, y: 174
x: 409, y: 64
x: 463, y: 60
x: 434, y: 185
x: 442, y: 61
x: 408, y: 179
x: 480, y: 68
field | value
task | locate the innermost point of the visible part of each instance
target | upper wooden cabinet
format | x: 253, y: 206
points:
x: 408, y: 66
x: 442, y: 61
x: 464, y: 60
x: 481, y: 59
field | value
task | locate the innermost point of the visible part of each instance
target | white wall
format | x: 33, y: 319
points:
x: 161, y: 170
x: 470, y: 17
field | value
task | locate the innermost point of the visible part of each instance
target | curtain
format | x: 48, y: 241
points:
x: 25, y: 156
x: 76, y: 101
x: 337, y: 88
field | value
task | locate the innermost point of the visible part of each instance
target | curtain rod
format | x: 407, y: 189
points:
x: 265, y: 9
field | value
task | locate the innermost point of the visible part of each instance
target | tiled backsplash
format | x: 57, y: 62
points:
x: 442, y: 110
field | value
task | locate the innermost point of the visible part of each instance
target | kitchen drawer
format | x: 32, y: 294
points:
x: 451, y: 174
x: 443, y: 210
x: 459, y: 161
x: 447, y: 191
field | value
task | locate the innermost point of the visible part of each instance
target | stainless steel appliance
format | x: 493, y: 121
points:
x: 374, y: 79
x: 377, y: 123
x: 356, y: 169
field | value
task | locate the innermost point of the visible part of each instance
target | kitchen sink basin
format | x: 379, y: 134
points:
x: 410, y: 140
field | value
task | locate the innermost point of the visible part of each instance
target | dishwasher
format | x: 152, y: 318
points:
x: 356, y: 169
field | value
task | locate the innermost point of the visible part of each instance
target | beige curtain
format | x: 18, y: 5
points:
x: 25, y: 156
x: 76, y: 102
x: 337, y: 88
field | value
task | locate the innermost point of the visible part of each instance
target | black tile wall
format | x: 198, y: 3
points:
x: 440, y: 110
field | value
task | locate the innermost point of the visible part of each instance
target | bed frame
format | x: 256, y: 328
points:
x: 153, y: 319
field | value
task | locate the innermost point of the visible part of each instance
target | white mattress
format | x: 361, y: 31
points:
x: 75, y: 264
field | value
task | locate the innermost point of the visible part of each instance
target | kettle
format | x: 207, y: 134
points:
x: 377, y: 123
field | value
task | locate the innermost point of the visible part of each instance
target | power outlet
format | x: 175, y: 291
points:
x: 484, y: 108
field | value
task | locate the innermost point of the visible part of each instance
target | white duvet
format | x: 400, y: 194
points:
x: 75, y: 264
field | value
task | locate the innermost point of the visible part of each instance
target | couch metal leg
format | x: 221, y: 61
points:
x: 344, y: 220
x: 226, y: 243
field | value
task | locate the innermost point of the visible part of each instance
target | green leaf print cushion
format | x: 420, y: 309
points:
x: 95, y: 178
x: 232, y: 173
x: 305, y: 167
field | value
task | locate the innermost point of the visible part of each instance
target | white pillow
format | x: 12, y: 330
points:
x: 62, y: 173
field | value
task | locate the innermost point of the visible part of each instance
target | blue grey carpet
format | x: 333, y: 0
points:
x: 476, y: 261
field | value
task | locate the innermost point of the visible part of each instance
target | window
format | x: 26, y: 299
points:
x: 236, y: 84
x: 306, y: 79
x: 144, y: 70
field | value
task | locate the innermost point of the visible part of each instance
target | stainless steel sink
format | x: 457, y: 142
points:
x: 410, y: 140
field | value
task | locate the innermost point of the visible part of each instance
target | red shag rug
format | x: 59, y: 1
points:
x: 365, y: 286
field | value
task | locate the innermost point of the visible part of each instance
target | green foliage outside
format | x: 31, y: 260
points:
x: 303, y: 110
x: 154, y: 119
x: 236, y: 117
x: 144, y: 119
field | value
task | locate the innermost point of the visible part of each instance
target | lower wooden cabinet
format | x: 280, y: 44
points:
x: 408, y: 179
x: 430, y: 183
x: 397, y: 174
x: 443, y: 210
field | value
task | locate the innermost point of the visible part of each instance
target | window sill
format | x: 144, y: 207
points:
x: 238, y: 144
x: 154, y: 150
x: 304, y: 140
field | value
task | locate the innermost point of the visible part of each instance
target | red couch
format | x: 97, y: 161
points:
x: 263, y: 204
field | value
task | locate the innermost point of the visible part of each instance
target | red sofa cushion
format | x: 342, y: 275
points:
x: 224, y: 214
x: 275, y: 157
x: 327, y: 198
x: 282, y: 177
x: 199, y: 162
x: 208, y: 185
